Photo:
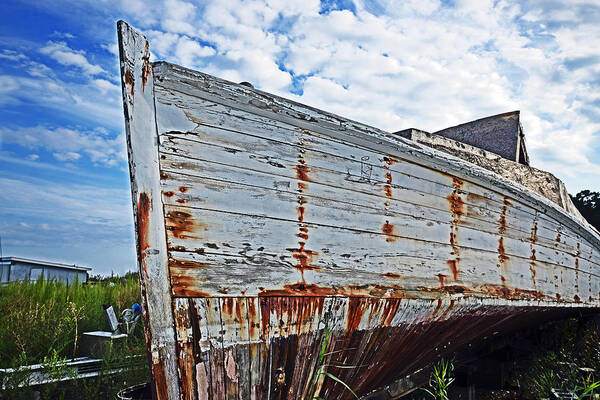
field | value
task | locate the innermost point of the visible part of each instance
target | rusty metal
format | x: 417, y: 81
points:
x: 262, y: 224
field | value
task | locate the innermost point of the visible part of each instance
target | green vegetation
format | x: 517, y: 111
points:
x: 567, y: 359
x: 43, y: 322
x: 440, y: 380
x: 321, y: 370
x: 588, y: 204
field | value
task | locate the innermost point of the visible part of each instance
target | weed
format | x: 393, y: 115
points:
x: 440, y: 380
x: 321, y: 370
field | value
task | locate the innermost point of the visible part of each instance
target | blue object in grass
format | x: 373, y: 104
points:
x: 136, y: 308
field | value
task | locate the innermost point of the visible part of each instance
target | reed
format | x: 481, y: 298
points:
x: 46, y: 317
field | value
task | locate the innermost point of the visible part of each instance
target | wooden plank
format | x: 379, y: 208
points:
x: 337, y: 177
x: 214, y: 328
x: 234, y: 315
x: 257, y: 348
x: 266, y: 105
x: 140, y: 126
x: 253, y: 200
x: 200, y: 331
x: 187, y: 353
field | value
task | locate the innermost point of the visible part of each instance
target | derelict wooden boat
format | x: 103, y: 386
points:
x: 262, y: 224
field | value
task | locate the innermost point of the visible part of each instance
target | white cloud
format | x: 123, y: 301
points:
x: 415, y: 63
x: 62, y: 53
x: 187, y: 51
x: 69, y: 144
x: 96, y: 99
x: 67, y: 156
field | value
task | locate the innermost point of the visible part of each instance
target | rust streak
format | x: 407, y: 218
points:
x: 301, y: 211
x: 186, y: 286
x: 183, y: 189
x: 388, y: 177
x: 252, y: 318
x: 146, y: 68
x: 453, y: 266
x: 388, y: 230
x: 160, y: 379
x: 457, y: 183
x: 502, y: 257
x: 437, y: 308
x: 502, y: 219
x: 447, y: 310
x: 180, y: 224
x: 534, y: 230
x: 390, y: 309
x: 129, y: 81
x: 187, y: 264
x: 304, y: 257
x: 453, y: 242
x: 388, y: 191
x: 143, y: 214
x: 441, y: 278
x: 302, y: 173
x: 356, y: 309
x: 456, y: 205
x: 390, y: 160
x: 392, y: 275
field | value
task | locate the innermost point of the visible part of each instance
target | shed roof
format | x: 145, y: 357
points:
x: 45, y: 263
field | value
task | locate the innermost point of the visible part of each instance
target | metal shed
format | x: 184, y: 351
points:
x: 22, y: 269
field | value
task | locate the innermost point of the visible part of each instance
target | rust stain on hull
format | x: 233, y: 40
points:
x: 390, y: 160
x: 146, y: 67
x: 302, y: 172
x: 130, y: 82
x: 453, y: 266
x: 181, y: 224
x: 456, y: 204
x: 388, y: 230
x: 143, y: 214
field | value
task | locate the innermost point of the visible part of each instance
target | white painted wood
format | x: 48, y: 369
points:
x: 140, y: 125
x: 263, y: 104
x: 257, y: 138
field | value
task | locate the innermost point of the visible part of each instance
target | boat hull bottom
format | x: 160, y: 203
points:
x: 270, y: 347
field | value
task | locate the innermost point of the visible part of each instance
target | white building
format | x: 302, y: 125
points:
x: 23, y: 269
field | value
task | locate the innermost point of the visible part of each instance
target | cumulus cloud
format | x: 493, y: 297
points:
x: 63, y: 54
x: 425, y: 64
x: 422, y: 63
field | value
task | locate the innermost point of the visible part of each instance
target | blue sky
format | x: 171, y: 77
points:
x: 429, y: 64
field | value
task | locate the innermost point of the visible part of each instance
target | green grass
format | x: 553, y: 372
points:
x: 43, y: 322
x: 440, y: 380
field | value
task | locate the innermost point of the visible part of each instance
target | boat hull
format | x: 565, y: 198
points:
x: 266, y: 228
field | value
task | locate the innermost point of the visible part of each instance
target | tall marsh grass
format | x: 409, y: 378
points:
x: 46, y: 317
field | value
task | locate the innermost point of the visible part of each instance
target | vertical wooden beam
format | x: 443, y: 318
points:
x: 142, y: 146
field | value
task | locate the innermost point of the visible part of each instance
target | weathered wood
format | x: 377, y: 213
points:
x: 285, y: 225
x: 140, y: 126
x: 235, y: 141
x: 262, y: 104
